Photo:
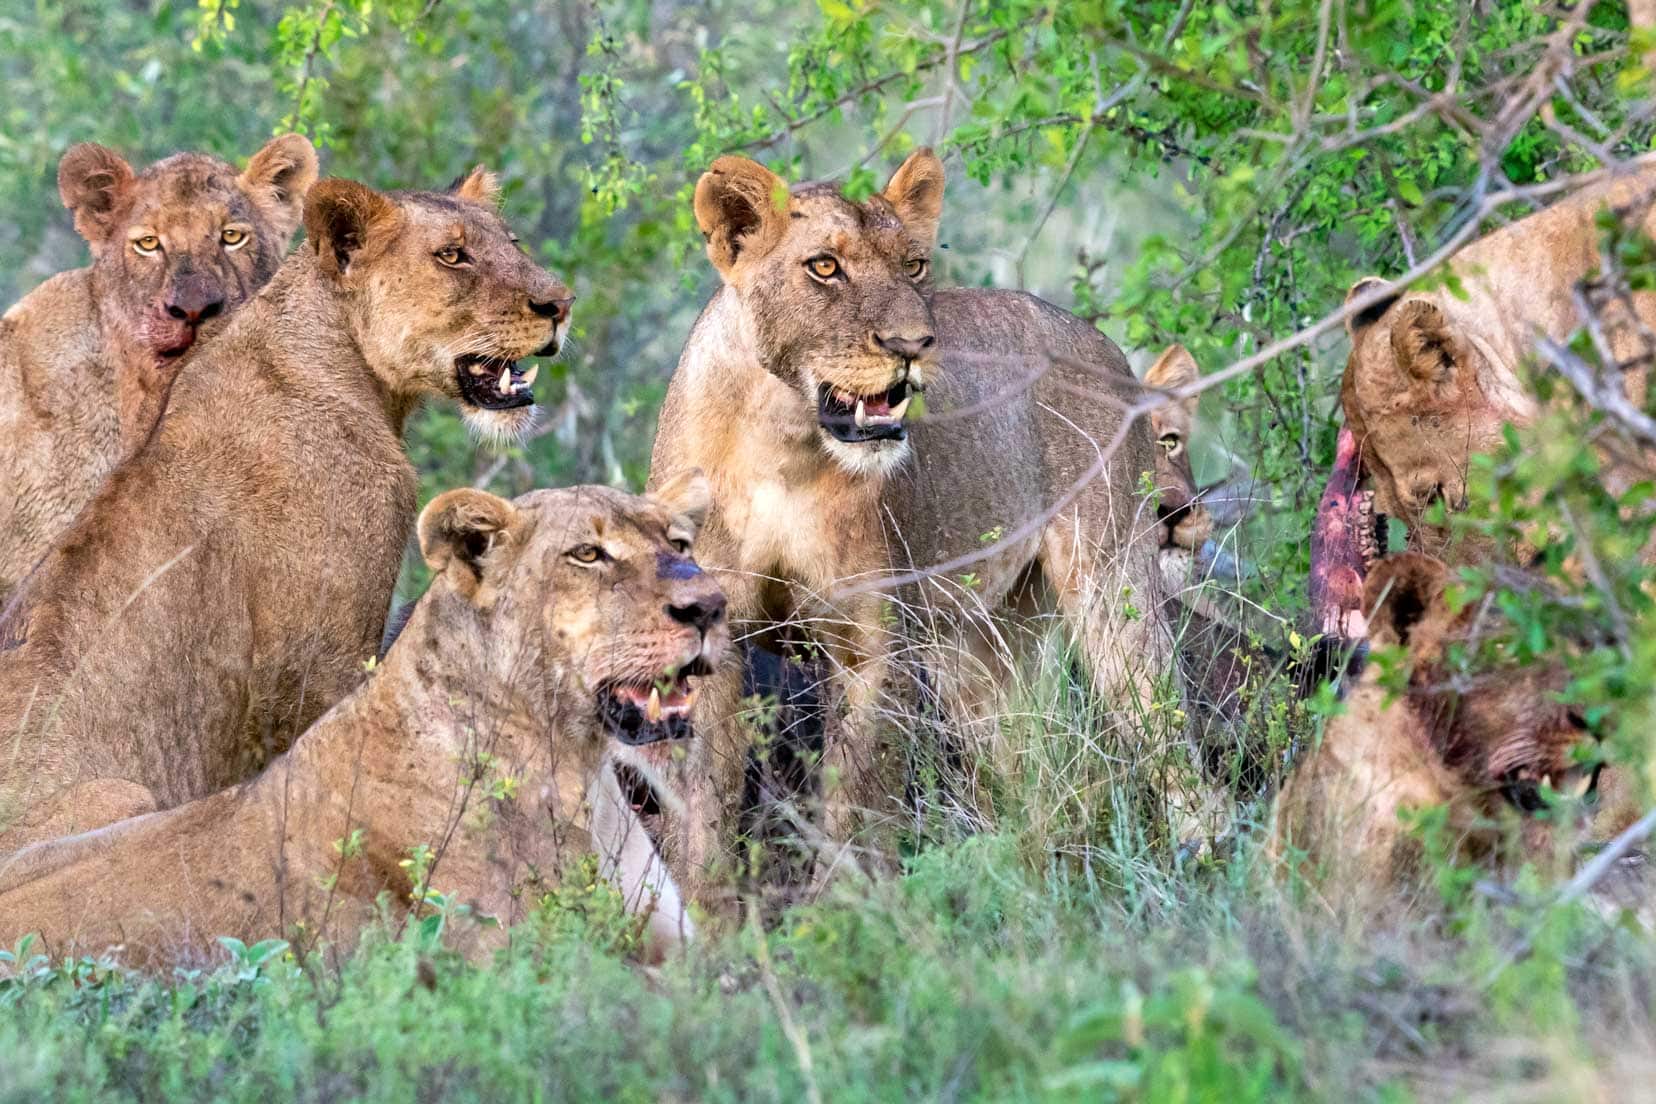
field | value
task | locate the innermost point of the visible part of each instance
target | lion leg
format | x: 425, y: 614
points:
x: 861, y: 778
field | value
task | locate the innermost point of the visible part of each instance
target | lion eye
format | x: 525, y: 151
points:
x: 147, y: 245
x: 915, y: 268
x: 679, y: 545
x: 823, y: 268
x: 586, y: 553
x: 233, y: 237
x: 451, y: 255
x: 1170, y: 442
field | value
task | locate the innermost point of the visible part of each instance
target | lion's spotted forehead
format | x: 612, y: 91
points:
x: 188, y: 188
x: 822, y: 209
x: 595, y: 513
x: 445, y: 213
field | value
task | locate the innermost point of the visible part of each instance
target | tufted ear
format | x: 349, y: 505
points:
x: 461, y: 534
x: 478, y: 186
x: 1425, y: 344
x: 916, y: 191
x: 346, y: 222
x: 96, y: 184
x: 278, y: 177
x: 1372, y: 313
x: 687, y: 495
x: 741, y: 208
x: 1176, y: 368
x: 1402, y: 592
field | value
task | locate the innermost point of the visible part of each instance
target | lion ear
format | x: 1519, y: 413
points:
x: 915, y: 190
x: 96, y: 184
x: 478, y: 186
x: 278, y: 178
x: 740, y: 207
x: 1426, y: 345
x: 460, y: 532
x: 1403, y: 591
x: 346, y: 222
x: 1174, y: 369
x: 687, y: 495
x: 1369, y: 315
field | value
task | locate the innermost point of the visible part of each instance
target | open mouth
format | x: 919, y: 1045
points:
x: 639, y: 714
x: 1371, y: 528
x: 636, y: 790
x: 853, y: 418
x: 494, y: 383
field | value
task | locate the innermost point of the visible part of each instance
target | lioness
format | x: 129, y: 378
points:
x: 794, y: 393
x: 539, y: 655
x: 1480, y: 744
x: 1434, y: 374
x: 227, y: 583
x: 87, y: 358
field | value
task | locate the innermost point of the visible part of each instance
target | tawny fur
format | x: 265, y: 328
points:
x: 1433, y: 376
x: 799, y: 516
x: 226, y: 584
x: 490, y: 690
x: 88, y: 357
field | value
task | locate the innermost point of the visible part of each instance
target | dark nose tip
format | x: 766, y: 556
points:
x: 909, y: 348
x: 556, y: 309
x: 701, y: 613
x: 195, y: 311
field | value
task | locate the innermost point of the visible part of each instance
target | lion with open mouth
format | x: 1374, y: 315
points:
x: 520, y: 721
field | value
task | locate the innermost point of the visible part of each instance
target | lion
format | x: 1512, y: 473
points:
x: 1434, y: 374
x: 227, y: 583
x: 87, y: 358
x: 797, y: 393
x: 1487, y: 746
x: 543, y: 680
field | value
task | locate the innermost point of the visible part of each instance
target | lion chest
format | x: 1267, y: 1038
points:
x: 803, y: 533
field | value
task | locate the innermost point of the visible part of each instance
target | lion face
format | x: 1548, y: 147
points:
x: 1412, y: 398
x: 1184, y: 522
x: 444, y: 301
x: 601, y: 585
x: 181, y: 245
x: 835, y: 295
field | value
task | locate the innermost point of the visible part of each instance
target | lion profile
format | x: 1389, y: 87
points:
x: 543, y: 680
x: 227, y: 583
x: 88, y: 358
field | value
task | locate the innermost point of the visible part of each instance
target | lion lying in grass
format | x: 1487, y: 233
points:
x: 1485, y: 745
x: 227, y: 583
x: 542, y: 680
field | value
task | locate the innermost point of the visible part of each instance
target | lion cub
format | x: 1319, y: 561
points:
x: 796, y: 393
x: 227, y: 583
x: 87, y: 358
x: 511, y: 729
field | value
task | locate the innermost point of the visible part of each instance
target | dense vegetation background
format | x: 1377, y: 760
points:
x: 1216, y: 174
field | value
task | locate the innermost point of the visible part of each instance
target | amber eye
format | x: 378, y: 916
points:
x: 232, y: 237
x: 1170, y: 442
x: 915, y: 268
x: 823, y: 268
x: 451, y: 255
x: 147, y: 245
x: 680, y: 545
x: 586, y: 553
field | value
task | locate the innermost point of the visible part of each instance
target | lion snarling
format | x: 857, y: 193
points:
x: 225, y: 586
x: 87, y: 359
x: 826, y: 328
x: 1488, y: 745
x: 503, y: 732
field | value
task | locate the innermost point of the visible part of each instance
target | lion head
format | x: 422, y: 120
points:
x: 620, y: 621
x: 1487, y: 743
x: 442, y: 298
x: 1185, y: 523
x: 835, y: 295
x: 182, y: 244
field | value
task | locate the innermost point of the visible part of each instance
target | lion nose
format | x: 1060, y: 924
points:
x: 195, y: 306
x: 701, y: 613
x: 909, y: 348
x: 555, y: 309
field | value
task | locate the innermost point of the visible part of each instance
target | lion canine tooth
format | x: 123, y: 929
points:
x: 528, y: 379
x: 862, y: 415
x: 652, y: 711
x: 505, y: 384
x: 897, y: 411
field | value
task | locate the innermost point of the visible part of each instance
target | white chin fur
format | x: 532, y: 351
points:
x: 875, y: 459
x: 496, y: 428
